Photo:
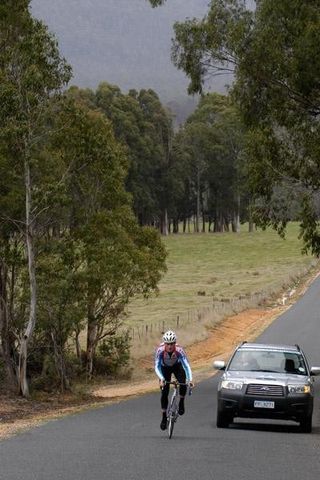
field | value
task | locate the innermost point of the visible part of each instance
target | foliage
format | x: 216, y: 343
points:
x: 272, y: 51
x: 117, y: 258
x: 116, y: 353
x: 63, y: 197
x: 213, y: 136
x: 31, y: 74
x: 144, y: 127
x: 156, y: 3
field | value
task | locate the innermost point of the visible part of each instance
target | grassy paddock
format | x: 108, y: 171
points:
x: 207, y: 269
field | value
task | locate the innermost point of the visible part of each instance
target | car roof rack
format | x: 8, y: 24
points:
x: 296, y: 345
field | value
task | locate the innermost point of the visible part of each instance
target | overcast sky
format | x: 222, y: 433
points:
x: 125, y: 42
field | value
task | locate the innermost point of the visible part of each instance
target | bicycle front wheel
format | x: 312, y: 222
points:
x: 171, y: 425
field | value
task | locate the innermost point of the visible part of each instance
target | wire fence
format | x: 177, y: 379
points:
x: 211, y: 313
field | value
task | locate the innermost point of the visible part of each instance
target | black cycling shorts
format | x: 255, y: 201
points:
x: 180, y: 375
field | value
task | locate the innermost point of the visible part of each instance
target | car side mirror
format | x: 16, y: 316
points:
x: 219, y: 365
x: 315, y: 371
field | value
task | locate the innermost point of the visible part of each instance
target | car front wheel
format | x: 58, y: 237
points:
x: 223, y: 419
x: 306, y: 424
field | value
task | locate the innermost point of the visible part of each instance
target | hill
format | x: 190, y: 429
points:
x: 124, y: 42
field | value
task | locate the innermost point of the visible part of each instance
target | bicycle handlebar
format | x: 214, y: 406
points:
x: 177, y: 384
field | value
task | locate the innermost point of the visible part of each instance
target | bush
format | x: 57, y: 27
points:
x: 113, y: 354
x: 45, y: 378
x: 3, y: 377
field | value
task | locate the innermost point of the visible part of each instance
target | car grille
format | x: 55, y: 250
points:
x: 269, y: 390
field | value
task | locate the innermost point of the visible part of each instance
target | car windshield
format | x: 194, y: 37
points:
x: 268, y: 361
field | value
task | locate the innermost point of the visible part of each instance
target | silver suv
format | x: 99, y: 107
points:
x: 266, y: 381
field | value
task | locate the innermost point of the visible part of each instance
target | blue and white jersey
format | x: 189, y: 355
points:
x: 166, y: 359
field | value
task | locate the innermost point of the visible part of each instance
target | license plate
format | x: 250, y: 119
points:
x: 263, y: 404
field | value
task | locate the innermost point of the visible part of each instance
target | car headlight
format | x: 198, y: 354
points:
x: 231, y: 385
x: 299, y: 388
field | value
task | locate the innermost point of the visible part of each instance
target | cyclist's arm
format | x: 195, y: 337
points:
x: 157, y: 365
x: 186, y: 366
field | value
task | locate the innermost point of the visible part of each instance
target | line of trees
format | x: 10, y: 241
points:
x: 194, y: 174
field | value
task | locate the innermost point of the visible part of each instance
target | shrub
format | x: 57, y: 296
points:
x: 114, y: 354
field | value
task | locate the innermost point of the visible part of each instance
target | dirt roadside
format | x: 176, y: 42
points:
x: 17, y: 414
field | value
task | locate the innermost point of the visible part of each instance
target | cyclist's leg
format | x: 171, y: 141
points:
x: 166, y: 372
x: 180, y: 375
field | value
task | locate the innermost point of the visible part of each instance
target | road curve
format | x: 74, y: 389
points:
x: 123, y: 441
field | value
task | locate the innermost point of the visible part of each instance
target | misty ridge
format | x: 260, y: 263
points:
x: 126, y: 43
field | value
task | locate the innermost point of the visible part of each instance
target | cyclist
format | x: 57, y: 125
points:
x: 171, y: 359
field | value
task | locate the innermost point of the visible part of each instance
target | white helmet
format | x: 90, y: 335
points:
x: 169, y: 337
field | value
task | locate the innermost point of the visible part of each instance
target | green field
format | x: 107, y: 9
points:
x: 210, y: 268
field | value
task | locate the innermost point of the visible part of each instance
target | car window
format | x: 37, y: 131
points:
x: 268, y: 361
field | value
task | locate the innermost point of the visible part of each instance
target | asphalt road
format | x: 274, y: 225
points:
x: 123, y: 441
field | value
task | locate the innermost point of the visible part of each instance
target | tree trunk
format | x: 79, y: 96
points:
x: 218, y: 221
x: 6, y: 343
x: 203, y: 223
x: 197, y: 229
x: 237, y: 219
x: 22, y: 374
x: 184, y: 225
x: 236, y: 222
x: 78, y: 346
x: 60, y: 364
x: 251, y: 224
x: 164, y: 223
x: 91, y: 341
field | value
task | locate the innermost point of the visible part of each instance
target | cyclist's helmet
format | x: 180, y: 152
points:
x: 169, y: 337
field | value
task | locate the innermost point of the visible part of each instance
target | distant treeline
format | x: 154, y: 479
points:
x: 195, y: 174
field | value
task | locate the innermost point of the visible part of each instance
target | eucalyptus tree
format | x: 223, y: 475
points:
x: 117, y: 258
x: 272, y: 52
x: 11, y: 259
x: 158, y: 125
x: 215, y: 135
x: 156, y: 3
x: 31, y: 72
x: 142, y: 124
x: 132, y: 130
x: 181, y: 196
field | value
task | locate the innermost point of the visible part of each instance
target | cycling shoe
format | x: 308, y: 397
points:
x: 163, y: 424
x: 181, y: 408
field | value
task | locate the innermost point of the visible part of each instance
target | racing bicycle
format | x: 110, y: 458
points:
x: 172, y: 413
